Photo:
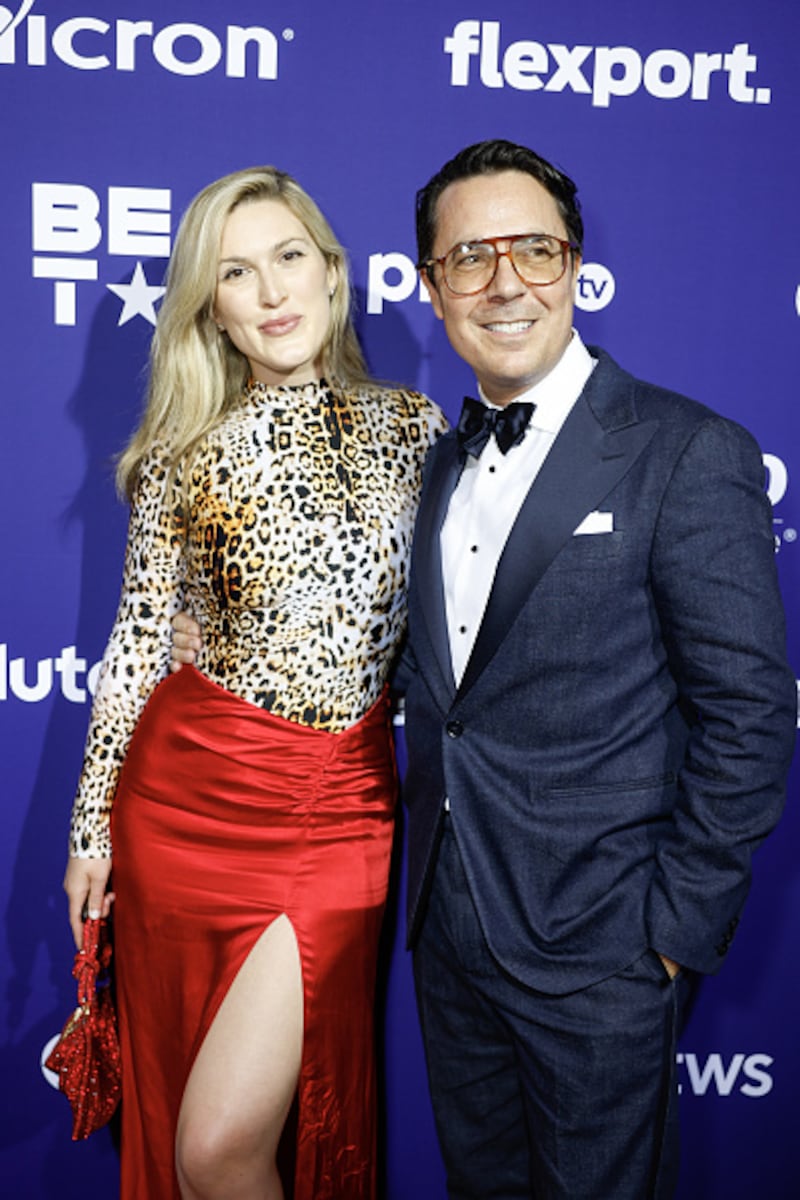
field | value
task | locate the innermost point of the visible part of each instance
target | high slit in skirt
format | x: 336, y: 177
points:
x: 225, y: 818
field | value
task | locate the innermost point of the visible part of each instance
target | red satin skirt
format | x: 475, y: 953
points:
x: 225, y: 818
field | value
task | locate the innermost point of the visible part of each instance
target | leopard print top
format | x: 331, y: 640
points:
x: 287, y: 534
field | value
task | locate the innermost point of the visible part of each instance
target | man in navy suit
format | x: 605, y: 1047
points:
x: 599, y: 711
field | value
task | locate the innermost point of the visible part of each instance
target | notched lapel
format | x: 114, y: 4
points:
x: 597, y: 445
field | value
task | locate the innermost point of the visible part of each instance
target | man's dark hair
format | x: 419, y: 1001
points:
x: 489, y: 158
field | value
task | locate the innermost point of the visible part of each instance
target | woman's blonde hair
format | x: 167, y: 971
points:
x: 196, y: 373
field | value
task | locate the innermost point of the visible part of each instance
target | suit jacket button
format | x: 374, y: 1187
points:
x: 454, y: 729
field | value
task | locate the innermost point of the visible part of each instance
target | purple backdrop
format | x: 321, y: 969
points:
x: 679, y: 121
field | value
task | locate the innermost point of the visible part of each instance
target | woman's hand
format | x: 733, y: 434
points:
x: 186, y: 641
x: 85, y: 883
x: 670, y: 966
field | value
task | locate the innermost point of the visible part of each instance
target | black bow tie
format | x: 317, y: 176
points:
x: 477, y: 423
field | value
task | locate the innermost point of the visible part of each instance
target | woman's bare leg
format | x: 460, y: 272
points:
x: 244, y: 1078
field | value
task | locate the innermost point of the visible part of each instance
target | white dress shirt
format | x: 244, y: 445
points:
x: 489, y: 495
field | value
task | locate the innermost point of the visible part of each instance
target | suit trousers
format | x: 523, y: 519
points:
x: 557, y: 1097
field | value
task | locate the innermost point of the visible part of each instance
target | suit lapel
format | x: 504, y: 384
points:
x: 597, y: 445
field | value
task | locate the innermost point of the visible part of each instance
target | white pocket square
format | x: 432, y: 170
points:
x: 596, y: 522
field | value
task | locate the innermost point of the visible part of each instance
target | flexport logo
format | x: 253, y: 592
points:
x: 602, y: 72
x: 91, y: 44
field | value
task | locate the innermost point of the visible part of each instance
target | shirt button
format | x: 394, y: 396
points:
x: 473, y: 549
x: 454, y: 729
x: 492, y: 470
x: 462, y: 629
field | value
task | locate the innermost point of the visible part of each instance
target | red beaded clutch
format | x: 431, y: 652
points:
x: 86, y: 1056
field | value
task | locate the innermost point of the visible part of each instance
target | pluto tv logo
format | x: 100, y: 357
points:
x: 65, y: 673
x: 392, y: 278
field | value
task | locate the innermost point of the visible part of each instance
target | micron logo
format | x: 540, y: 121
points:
x: 92, y: 44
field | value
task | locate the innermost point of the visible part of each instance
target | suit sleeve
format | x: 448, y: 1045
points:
x: 403, y: 671
x: 716, y: 592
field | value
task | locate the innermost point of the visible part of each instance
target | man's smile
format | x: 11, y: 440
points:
x: 508, y: 326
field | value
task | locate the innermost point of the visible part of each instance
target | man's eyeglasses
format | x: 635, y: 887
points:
x: 470, y: 267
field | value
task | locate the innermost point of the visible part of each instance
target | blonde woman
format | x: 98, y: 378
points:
x: 249, y: 801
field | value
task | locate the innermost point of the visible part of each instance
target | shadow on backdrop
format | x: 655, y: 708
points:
x: 105, y: 407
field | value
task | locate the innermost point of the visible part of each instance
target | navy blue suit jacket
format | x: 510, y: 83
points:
x: 619, y: 743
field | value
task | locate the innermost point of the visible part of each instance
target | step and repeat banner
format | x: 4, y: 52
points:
x: 679, y: 122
